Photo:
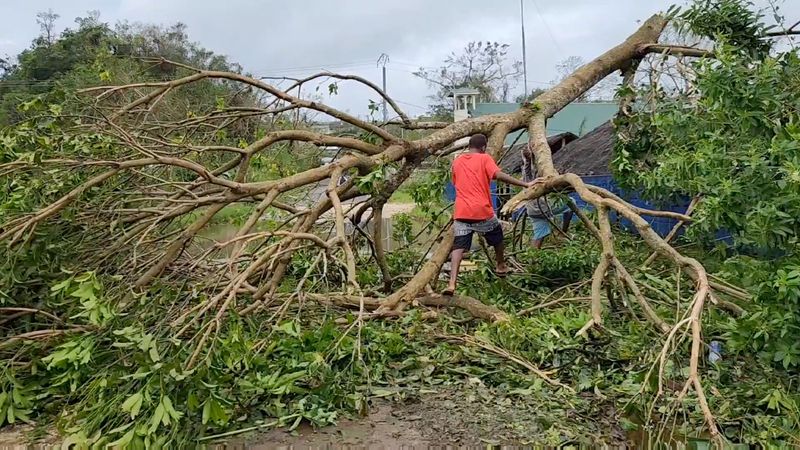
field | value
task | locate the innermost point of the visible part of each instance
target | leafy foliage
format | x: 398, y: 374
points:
x: 735, y: 22
x: 768, y: 331
x: 733, y: 141
x: 731, y: 138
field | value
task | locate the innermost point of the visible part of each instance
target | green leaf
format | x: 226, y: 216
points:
x: 179, y: 376
x: 289, y: 328
x: 124, y: 440
x: 382, y: 392
x: 120, y: 428
x: 218, y: 413
x: 192, y: 402
x: 138, y: 375
x: 22, y: 414
x: 85, y: 291
x: 61, y: 286
x: 156, y: 419
x: 133, y: 404
x: 207, y: 411
x: 170, y: 410
x: 154, y: 353
x: 146, y: 342
x: 16, y: 396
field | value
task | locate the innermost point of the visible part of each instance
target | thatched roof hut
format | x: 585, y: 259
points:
x: 511, y: 160
x: 584, y: 156
x: 589, y: 155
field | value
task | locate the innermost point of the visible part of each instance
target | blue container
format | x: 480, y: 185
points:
x: 714, y: 351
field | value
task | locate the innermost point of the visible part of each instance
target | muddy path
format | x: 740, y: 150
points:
x: 468, y: 414
x: 457, y: 416
x: 382, y: 428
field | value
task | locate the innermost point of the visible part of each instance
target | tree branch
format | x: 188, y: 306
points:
x: 675, y: 50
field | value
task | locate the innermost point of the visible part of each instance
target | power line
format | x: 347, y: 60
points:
x: 547, y: 27
x: 411, y: 104
x: 339, y: 64
x: 295, y: 69
x: 394, y: 69
x: 404, y: 63
x: 543, y: 83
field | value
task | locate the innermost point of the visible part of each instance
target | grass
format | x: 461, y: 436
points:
x: 401, y: 197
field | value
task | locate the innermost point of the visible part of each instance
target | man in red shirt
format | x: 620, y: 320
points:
x: 472, y: 175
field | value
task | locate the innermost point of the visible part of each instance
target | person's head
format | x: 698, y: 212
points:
x: 478, y: 143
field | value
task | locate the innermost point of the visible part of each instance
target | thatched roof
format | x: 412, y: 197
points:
x: 589, y: 155
x: 511, y: 160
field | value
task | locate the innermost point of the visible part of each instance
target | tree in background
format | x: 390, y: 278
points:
x: 604, y: 90
x: 47, y: 23
x: 94, y: 52
x: 480, y: 65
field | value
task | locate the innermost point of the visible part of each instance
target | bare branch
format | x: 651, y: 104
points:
x: 676, y: 50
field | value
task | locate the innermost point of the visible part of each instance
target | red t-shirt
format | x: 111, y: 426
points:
x: 472, y: 175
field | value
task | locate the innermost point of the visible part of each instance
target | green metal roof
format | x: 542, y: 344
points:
x: 576, y: 118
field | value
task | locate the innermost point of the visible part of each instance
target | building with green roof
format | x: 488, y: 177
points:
x: 576, y: 118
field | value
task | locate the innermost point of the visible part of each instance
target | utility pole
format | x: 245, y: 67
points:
x: 524, y: 53
x: 382, y: 60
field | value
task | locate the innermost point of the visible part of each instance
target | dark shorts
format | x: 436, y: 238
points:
x: 493, y: 238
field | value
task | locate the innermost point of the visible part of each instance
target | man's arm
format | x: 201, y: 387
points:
x: 506, y: 178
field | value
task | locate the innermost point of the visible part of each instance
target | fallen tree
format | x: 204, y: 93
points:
x: 165, y: 181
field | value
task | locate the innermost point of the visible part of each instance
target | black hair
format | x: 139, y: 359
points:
x: 478, y: 142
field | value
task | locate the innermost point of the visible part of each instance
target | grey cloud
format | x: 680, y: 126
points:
x: 267, y: 37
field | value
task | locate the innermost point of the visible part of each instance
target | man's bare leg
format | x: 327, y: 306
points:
x: 537, y: 243
x: 455, y: 262
x: 499, y: 255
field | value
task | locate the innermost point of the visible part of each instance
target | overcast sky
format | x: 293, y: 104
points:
x: 291, y: 38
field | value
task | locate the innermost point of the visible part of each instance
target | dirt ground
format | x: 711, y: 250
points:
x: 461, y: 415
x: 19, y: 437
x: 382, y: 428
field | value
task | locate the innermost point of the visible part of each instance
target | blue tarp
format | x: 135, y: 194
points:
x: 660, y: 225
